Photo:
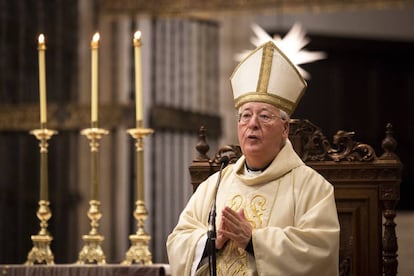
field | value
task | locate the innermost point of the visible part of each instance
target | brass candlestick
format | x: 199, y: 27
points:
x: 138, y: 252
x: 41, y: 253
x: 92, y: 251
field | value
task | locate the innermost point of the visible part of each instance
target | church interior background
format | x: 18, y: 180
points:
x: 366, y: 81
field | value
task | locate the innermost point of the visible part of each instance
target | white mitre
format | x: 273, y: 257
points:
x: 267, y: 75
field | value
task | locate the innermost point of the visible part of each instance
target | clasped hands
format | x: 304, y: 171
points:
x: 233, y: 226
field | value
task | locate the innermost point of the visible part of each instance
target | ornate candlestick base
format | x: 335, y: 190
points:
x: 92, y: 251
x: 41, y: 253
x: 138, y: 252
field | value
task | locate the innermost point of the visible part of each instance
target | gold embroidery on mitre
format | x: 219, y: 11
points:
x: 265, y: 68
x: 262, y: 93
x: 272, y: 99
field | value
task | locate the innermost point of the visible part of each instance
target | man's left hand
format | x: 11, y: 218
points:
x: 235, y: 227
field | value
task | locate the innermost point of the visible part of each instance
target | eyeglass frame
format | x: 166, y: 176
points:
x: 262, y: 118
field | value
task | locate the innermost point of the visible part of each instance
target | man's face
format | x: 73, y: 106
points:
x: 261, y: 133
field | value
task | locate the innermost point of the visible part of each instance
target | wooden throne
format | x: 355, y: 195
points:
x: 367, y: 189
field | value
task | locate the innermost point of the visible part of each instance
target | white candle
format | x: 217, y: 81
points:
x: 138, y: 76
x: 42, y: 78
x: 94, y: 82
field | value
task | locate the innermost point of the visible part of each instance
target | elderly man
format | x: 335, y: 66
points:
x: 276, y: 216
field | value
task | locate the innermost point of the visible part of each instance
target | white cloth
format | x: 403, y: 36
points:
x: 198, y: 254
x: 293, y: 213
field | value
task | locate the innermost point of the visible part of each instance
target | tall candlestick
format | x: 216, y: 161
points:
x: 138, y: 76
x: 94, y: 86
x: 42, y: 79
x: 41, y: 252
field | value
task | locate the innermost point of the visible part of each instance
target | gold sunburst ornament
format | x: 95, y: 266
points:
x: 292, y: 45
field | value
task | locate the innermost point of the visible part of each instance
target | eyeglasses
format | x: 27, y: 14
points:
x: 263, y: 117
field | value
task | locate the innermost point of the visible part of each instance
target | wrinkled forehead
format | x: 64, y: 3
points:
x: 258, y: 106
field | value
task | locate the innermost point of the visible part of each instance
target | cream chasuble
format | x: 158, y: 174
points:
x: 292, y: 211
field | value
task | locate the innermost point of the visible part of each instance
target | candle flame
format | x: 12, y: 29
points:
x: 137, y: 35
x: 96, y: 37
x: 95, y: 41
x: 137, y: 39
x: 41, y: 39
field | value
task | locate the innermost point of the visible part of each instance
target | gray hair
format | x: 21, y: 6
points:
x: 284, y: 115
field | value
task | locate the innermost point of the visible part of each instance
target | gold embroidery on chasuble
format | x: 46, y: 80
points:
x: 257, y: 203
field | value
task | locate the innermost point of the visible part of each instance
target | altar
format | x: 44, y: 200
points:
x: 84, y: 270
